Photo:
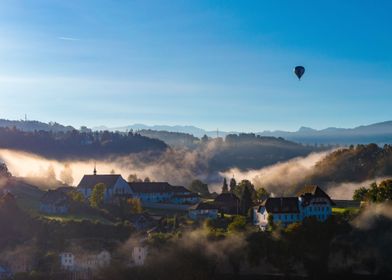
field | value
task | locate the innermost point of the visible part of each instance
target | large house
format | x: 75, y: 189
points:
x: 227, y: 203
x: 162, y: 192
x: 147, y: 192
x: 203, y: 211
x: 84, y: 262
x: 54, y: 202
x: 114, y: 183
x: 311, y: 201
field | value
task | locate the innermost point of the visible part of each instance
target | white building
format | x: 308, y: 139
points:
x: 114, y: 183
x: 139, y: 255
x: 84, y: 262
x: 67, y: 261
x: 162, y: 192
x: 203, y: 211
x: 312, y: 201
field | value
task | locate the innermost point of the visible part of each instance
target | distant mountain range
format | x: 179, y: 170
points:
x: 379, y: 133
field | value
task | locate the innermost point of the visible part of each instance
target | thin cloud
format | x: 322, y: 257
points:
x: 68, y: 38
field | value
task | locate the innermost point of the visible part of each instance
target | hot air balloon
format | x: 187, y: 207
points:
x: 299, y: 71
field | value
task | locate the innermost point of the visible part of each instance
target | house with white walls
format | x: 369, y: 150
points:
x: 203, y: 211
x: 139, y: 255
x: 114, y: 184
x: 84, y: 262
x: 162, y: 192
x: 311, y: 201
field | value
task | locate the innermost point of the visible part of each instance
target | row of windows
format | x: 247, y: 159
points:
x: 319, y: 208
x: 287, y: 216
x: 296, y: 216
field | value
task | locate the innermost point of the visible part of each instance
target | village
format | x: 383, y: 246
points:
x: 154, y: 208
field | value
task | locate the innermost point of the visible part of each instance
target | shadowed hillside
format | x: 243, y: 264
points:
x: 354, y: 164
x: 74, y: 143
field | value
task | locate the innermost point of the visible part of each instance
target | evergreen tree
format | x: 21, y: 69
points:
x: 225, y: 187
x: 246, y: 200
x: 233, y: 184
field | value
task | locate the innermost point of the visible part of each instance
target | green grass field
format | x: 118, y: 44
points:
x: 339, y: 211
x: 77, y: 218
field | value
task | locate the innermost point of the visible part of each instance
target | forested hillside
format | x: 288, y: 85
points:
x: 70, y: 144
x: 354, y: 164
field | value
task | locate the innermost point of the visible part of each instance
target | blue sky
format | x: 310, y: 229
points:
x: 212, y: 64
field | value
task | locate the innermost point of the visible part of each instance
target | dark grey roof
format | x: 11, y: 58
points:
x: 206, y: 206
x: 54, y: 197
x: 180, y: 189
x: 151, y: 187
x: 90, y: 181
x: 312, y: 191
x: 226, y: 197
x: 281, y: 205
x: 135, y: 218
x: 188, y: 195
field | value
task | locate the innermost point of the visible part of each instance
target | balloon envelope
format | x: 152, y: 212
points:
x: 299, y: 71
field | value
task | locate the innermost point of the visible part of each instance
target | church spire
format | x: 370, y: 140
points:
x: 95, y: 168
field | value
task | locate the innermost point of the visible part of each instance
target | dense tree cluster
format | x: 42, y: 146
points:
x: 375, y: 193
x: 354, y: 164
x: 73, y: 143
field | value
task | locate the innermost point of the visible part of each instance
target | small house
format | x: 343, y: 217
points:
x: 54, y: 202
x: 227, y: 203
x: 139, y: 255
x: 203, y: 211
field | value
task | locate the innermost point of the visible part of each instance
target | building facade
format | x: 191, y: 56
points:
x: 114, y: 183
x: 311, y: 201
x: 203, y: 211
x: 162, y: 192
x: 54, y: 202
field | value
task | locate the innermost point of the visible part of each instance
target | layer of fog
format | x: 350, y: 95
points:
x: 280, y: 178
x: 346, y: 190
x: 369, y: 216
x: 179, y: 167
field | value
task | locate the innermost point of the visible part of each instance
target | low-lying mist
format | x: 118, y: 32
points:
x: 175, y: 166
x: 281, y: 178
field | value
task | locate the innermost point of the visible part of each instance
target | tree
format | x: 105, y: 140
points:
x: 66, y: 175
x: 97, y: 196
x: 204, y: 139
x: 225, y: 187
x: 4, y: 171
x: 199, y: 187
x: 133, y: 178
x: 271, y: 223
x: 112, y: 171
x: 246, y: 200
x: 76, y: 196
x: 51, y: 174
x: 239, y: 189
x: 238, y: 224
x: 135, y: 206
x: 147, y: 180
x: 361, y: 194
x: 233, y: 184
x: 262, y: 194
